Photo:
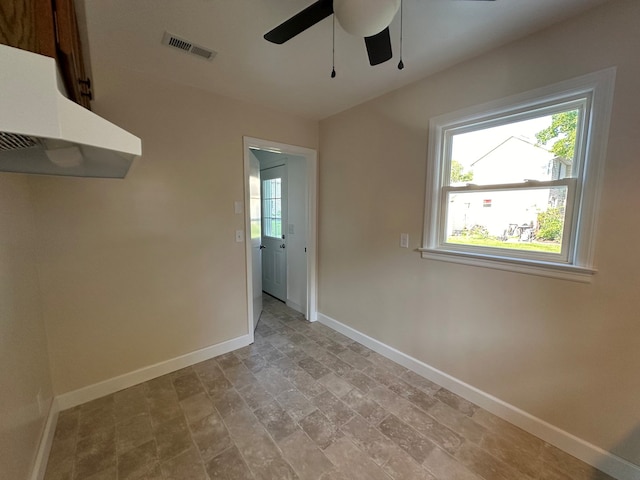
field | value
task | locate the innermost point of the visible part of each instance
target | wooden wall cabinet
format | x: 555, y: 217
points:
x: 48, y: 27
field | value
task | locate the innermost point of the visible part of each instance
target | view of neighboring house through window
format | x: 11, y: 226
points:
x: 518, y: 180
x: 507, y: 186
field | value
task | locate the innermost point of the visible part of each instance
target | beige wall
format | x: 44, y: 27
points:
x: 24, y: 362
x: 565, y: 352
x: 142, y: 270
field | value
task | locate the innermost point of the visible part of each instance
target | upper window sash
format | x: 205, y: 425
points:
x: 580, y: 102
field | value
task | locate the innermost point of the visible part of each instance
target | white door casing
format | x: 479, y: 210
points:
x: 274, y: 231
x: 255, y: 225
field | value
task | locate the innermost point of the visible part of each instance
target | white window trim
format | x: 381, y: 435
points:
x: 579, y: 264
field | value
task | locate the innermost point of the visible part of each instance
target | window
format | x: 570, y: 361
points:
x: 514, y: 184
x: 272, y: 207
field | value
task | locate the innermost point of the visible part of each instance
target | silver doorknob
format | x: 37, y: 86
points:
x: 282, y: 246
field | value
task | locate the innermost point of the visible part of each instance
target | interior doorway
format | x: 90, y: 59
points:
x: 291, y: 226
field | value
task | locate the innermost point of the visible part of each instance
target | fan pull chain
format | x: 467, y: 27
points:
x: 401, y: 63
x: 333, y: 53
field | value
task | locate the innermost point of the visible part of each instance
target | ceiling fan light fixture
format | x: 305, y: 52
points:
x: 365, y: 18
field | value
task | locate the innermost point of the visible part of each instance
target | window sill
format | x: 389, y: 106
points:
x: 529, y: 267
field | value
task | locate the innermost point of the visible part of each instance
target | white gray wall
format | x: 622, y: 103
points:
x: 564, y: 352
x: 146, y: 269
x: 24, y: 358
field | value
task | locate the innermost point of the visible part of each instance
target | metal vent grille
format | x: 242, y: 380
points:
x: 172, y: 40
x: 182, y: 45
x: 14, y: 141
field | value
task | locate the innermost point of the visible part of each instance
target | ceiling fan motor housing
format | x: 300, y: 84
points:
x: 365, y: 18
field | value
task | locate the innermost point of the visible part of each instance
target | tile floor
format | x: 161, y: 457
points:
x: 302, y: 402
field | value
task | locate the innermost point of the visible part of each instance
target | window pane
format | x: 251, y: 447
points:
x: 521, y: 219
x: 541, y: 148
x: 272, y: 208
x: 254, y: 208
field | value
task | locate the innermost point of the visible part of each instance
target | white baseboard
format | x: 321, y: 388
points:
x: 91, y: 392
x: 585, y: 451
x: 115, y: 384
x: 42, y: 456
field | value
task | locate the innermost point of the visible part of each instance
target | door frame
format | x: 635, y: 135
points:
x: 311, y: 157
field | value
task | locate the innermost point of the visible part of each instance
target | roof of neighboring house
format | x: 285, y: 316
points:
x: 512, y: 137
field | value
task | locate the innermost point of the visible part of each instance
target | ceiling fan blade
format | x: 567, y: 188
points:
x: 300, y: 22
x: 379, y: 47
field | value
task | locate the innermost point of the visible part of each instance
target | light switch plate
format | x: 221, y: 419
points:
x: 238, y: 207
x: 239, y: 236
x: 404, y: 240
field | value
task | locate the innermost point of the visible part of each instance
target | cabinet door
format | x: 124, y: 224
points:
x: 70, y: 53
x: 29, y: 25
x: 34, y: 25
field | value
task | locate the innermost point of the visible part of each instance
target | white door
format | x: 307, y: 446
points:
x: 274, y: 221
x: 256, y: 237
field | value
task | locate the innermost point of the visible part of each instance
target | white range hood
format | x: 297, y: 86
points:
x: 43, y: 132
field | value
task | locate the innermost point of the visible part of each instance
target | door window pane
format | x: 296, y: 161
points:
x: 272, y: 207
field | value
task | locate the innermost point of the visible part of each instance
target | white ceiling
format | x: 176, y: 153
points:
x: 295, y: 77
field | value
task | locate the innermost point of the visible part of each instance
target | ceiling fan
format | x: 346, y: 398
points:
x: 364, y: 18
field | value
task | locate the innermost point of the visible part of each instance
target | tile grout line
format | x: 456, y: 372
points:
x: 295, y: 421
x: 193, y: 444
x: 400, y: 378
x: 266, y: 430
x: 225, y: 423
x: 355, y: 413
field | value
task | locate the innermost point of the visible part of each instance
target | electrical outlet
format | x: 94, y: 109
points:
x: 404, y: 240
